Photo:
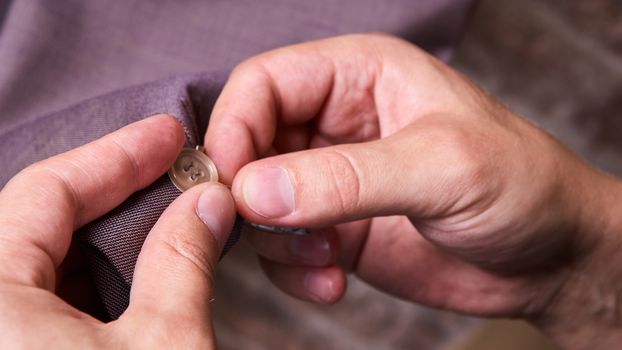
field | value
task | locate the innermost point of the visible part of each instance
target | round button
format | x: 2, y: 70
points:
x: 191, y: 168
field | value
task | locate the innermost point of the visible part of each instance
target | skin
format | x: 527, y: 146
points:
x: 411, y: 177
x: 421, y: 184
x: 41, y: 207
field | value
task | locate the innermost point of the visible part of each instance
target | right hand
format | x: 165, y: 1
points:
x: 415, y: 179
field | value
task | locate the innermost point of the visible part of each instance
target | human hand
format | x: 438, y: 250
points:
x: 43, y: 205
x: 416, y: 180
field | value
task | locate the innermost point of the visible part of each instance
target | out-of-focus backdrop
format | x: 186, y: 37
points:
x: 556, y: 62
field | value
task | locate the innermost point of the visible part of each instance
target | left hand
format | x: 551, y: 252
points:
x: 42, y: 206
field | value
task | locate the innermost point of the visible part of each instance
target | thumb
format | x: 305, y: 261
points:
x: 326, y: 186
x: 175, y: 270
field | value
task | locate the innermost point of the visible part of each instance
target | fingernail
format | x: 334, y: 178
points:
x: 269, y: 192
x: 320, y: 287
x: 213, y: 208
x: 312, y: 249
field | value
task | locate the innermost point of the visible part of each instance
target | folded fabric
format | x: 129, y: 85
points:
x: 112, y: 243
x: 55, y: 53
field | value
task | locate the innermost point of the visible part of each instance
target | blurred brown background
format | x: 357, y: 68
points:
x: 558, y: 63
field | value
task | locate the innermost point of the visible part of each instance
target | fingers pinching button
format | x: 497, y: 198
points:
x: 193, y: 167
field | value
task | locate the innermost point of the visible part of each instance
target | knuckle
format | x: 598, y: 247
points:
x: 469, y: 164
x: 191, y: 253
x: 252, y: 67
x: 128, y: 160
x: 466, y: 153
x: 34, y: 268
x: 346, y: 180
x: 47, y: 181
x: 243, y: 67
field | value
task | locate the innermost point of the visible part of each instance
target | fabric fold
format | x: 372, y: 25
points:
x: 113, y: 242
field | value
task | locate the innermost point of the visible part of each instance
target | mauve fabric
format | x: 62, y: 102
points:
x: 72, y: 71
x: 113, y: 242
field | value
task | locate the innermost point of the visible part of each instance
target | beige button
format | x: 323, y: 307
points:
x: 191, y: 168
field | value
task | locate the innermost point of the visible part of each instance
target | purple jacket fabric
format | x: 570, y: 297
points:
x: 72, y: 71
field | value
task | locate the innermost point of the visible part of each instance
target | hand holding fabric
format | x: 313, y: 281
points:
x: 43, y: 205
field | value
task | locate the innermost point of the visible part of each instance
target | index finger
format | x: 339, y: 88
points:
x: 42, y: 206
x: 287, y: 86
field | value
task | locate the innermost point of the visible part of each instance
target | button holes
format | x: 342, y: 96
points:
x: 188, y: 166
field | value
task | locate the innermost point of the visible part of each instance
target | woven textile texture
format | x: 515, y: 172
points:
x: 72, y: 71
